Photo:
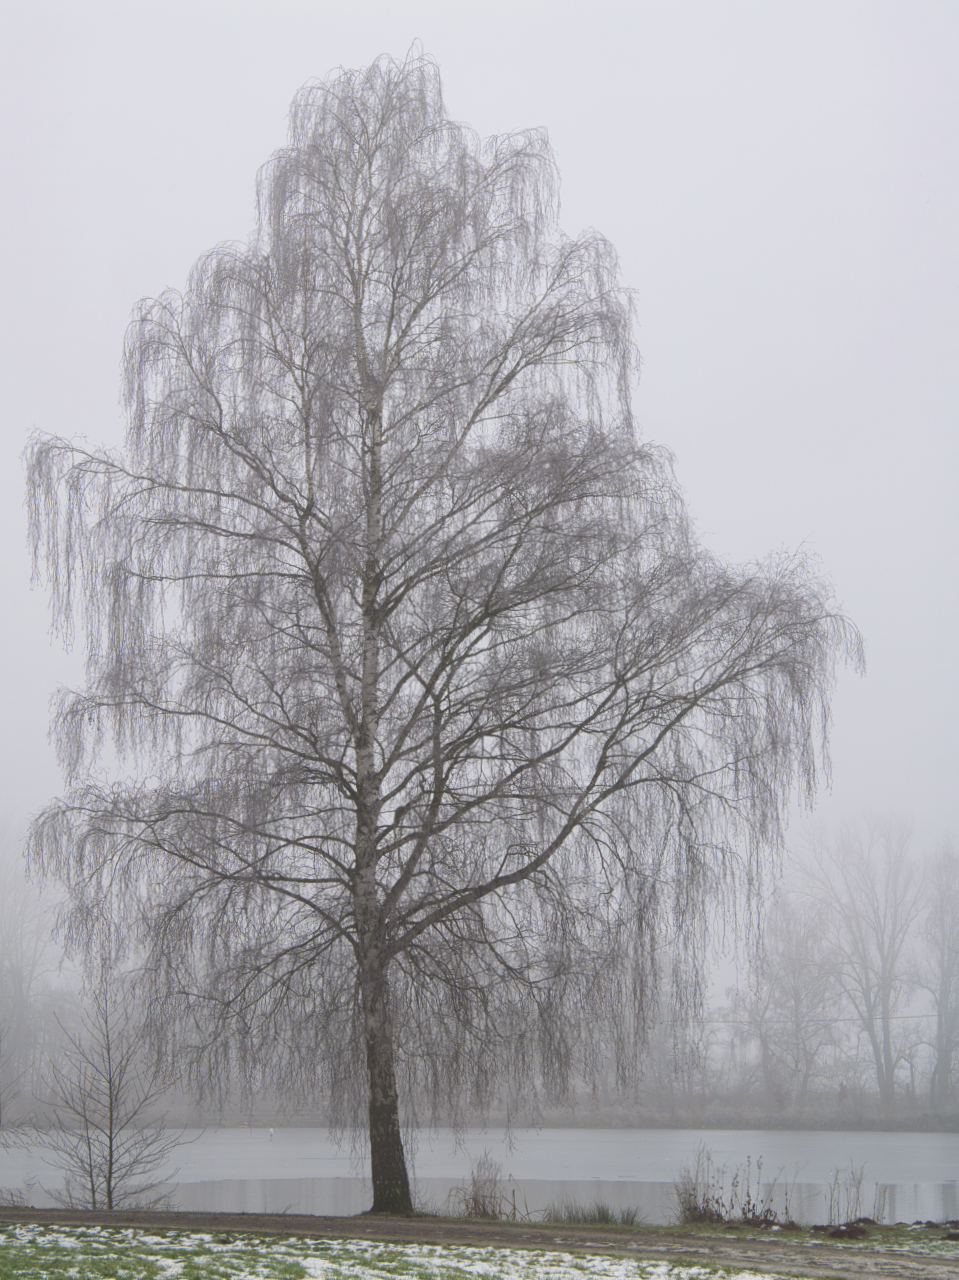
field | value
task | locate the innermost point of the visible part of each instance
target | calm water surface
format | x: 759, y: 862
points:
x: 303, y: 1169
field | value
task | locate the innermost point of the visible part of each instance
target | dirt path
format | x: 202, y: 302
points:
x: 772, y: 1254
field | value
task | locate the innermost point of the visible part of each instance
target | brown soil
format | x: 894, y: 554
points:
x: 776, y: 1253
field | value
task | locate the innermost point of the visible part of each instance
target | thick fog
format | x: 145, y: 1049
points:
x: 781, y: 184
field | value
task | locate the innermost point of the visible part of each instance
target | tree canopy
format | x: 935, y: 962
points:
x: 430, y: 709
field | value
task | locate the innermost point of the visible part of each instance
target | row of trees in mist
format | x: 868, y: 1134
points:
x: 849, y: 1009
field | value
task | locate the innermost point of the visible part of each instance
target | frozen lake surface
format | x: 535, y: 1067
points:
x: 304, y: 1170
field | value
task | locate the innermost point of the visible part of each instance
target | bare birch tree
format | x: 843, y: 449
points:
x: 435, y: 706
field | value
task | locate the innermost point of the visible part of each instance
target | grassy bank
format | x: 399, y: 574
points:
x: 29, y: 1252
x: 92, y: 1253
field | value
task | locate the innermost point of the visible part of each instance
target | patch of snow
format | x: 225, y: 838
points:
x: 360, y: 1259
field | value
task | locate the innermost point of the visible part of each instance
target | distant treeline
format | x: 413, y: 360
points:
x: 846, y: 1015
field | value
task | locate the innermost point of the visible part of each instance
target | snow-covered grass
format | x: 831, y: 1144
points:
x: 92, y: 1253
x: 29, y: 1252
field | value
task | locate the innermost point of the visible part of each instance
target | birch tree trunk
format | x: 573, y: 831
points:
x: 391, y: 1185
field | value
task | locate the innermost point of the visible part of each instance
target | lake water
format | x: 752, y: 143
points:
x: 905, y: 1176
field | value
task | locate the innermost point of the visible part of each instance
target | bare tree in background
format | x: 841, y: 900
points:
x: 437, y: 708
x: 790, y: 1005
x: 869, y: 898
x: 939, y: 969
x: 27, y: 1021
x: 107, y: 1137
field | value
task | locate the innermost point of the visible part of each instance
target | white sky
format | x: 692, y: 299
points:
x: 780, y: 178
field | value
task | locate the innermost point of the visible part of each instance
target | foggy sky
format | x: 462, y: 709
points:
x: 781, y: 183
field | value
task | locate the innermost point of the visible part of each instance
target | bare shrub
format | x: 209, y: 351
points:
x: 701, y: 1194
x: 698, y: 1190
x: 484, y: 1196
x: 844, y: 1194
